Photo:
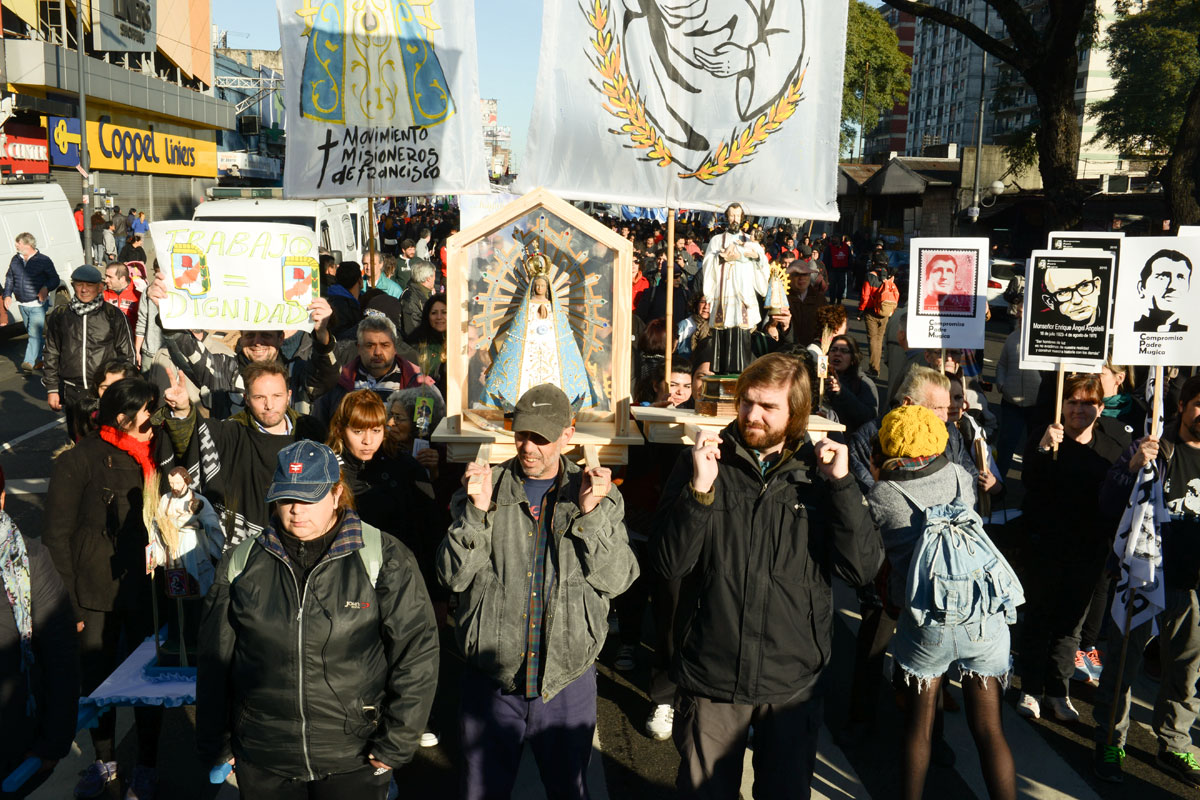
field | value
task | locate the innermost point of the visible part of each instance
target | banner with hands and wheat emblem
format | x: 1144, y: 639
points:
x: 690, y: 104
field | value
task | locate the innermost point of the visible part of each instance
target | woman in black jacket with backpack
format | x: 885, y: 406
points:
x: 318, y: 649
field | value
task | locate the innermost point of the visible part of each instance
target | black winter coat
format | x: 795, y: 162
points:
x: 1061, y: 508
x: 94, y: 528
x: 305, y: 681
x: 394, y: 494
x: 755, y: 617
x: 77, y: 345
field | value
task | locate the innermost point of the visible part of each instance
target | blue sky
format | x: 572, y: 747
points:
x: 509, y: 34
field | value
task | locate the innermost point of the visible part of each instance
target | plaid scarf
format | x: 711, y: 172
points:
x: 82, y: 309
x: 14, y: 568
x: 909, y: 464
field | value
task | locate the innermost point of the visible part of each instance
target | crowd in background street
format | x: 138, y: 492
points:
x: 339, y: 541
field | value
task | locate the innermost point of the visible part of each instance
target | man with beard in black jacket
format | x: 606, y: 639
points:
x: 234, y: 459
x: 755, y: 522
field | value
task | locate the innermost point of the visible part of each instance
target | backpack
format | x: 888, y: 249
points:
x: 371, y: 554
x: 886, y: 298
x: 956, y: 575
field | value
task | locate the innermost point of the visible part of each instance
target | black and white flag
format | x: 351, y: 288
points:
x: 1139, y: 539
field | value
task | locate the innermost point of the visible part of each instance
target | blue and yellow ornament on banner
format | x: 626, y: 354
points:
x: 373, y: 63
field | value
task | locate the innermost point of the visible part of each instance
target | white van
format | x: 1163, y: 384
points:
x: 41, y: 209
x: 332, y: 220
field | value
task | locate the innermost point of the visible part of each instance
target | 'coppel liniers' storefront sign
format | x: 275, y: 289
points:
x: 121, y: 149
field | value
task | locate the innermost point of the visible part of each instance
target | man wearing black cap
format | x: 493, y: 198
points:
x: 80, y: 336
x: 536, y: 551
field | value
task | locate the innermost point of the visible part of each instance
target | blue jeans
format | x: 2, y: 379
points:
x: 495, y: 726
x: 839, y: 284
x: 35, y: 325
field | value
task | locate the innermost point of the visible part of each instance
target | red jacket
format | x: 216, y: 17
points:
x: 640, y: 285
x: 127, y: 301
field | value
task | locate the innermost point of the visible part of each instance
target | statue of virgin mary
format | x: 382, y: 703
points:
x: 538, y: 347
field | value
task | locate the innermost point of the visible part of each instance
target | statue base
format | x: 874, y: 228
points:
x: 717, y: 396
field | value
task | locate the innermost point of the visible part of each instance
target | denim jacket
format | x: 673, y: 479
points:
x: 485, y: 559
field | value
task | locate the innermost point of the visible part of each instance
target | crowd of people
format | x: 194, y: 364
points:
x: 320, y: 544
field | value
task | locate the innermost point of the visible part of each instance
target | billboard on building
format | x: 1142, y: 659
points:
x: 125, y: 25
x: 23, y: 150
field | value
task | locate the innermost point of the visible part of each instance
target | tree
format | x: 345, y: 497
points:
x: 1154, y: 58
x: 870, y: 39
x: 1042, y: 44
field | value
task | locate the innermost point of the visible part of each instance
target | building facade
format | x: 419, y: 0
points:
x: 152, y: 118
x: 252, y: 153
x: 891, y: 135
x: 943, y: 106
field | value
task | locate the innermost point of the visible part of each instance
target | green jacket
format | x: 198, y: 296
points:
x: 486, y: 557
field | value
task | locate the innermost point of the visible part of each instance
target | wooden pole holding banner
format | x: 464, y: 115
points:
x: 483, y: 458
x: 1154, y: 431
x: 981, y: 461
x: 670, y: 294
x: 1058, y: 398
x: 943, y: 361
x: 371, y: 250
x: 591, y: 456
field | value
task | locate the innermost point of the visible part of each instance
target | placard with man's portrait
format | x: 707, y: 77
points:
x: 1155, y: 316
x: 1067, y: 298
x: 947, y: 299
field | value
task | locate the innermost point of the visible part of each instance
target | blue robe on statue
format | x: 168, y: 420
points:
x: 539, y: 347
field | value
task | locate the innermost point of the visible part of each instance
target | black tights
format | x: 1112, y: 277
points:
x: 983, y: 718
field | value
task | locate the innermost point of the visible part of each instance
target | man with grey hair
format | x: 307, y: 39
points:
x: 412, y: 302
x: 27, y: 286
x: 370, y: 362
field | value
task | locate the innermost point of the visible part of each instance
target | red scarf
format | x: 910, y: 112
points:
x: 139, y: 450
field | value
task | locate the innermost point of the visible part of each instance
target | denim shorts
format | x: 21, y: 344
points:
x: 978, y: 649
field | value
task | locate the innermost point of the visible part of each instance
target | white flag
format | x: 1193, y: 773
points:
x: 1138, y: 544
x: 691, y: 104
x: 382, y: 98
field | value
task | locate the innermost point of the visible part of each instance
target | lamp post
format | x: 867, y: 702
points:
x: 973, y: 211
x: 83, y: 152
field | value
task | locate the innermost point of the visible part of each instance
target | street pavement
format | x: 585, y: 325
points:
x: 1053, y: 759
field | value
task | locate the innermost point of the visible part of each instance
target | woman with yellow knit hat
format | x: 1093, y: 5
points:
x: 958, y: 594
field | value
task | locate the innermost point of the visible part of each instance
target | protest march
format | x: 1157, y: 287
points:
x: 650, y: 468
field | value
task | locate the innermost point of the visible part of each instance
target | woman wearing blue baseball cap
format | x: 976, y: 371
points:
x: 319, y: 653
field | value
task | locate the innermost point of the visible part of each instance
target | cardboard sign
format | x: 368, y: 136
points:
x: 1157, y: 318
x: 237, y: 275
x: 947, y: 296
x: 1067, y: 299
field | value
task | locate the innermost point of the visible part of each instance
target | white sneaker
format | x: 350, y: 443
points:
x: 625, y: 658
x: 1061, y: 709
x: 429, y: 739
x: 1028, y: 706
x: 660, y: 722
